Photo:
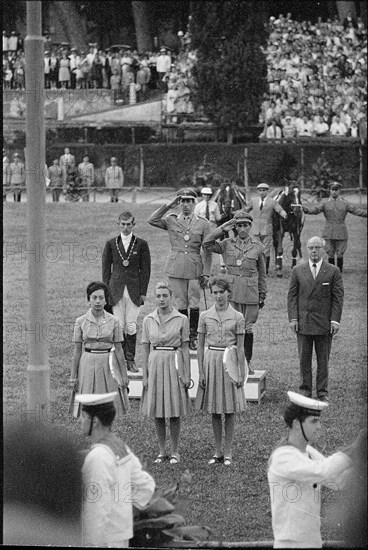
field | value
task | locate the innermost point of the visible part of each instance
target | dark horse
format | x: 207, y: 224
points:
x: 289, y: 200
x: 230, y: 199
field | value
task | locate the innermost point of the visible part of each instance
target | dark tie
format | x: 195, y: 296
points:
x: 261, y: 207
x: 207, y: 211
x: 314, y: 271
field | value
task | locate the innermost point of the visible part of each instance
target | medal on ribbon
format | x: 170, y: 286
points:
x: 125, y: 260
x: 238, y: 262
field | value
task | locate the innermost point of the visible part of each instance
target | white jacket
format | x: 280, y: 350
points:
x: 294, y: 478
x: 112, y: 484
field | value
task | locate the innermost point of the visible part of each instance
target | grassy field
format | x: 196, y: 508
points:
x: 233, y: 502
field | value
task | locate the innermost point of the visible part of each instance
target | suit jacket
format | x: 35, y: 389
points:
x: 135, y: 276
x: 184, y: 261
x: 262, y: 219
x: 335, y: 212
x: 315, y: 302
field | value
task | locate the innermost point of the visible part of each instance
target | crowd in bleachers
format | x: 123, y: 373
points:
x: 120, y: 68
x: 317, y: 75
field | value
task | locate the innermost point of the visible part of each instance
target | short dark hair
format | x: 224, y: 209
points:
x: 97, y: 285
x: 105, y: 414
x: 294, y: 412
x: 126, y: 216
x: 222, y: 282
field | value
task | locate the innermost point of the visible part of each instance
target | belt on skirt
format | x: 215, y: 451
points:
x: 217, y: 348
x: 97, y: 350
x: 165, y: 348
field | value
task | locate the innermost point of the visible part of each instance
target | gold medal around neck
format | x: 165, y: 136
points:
x: 186, y: 237
x: 238, y: 262
x: 125, y: 263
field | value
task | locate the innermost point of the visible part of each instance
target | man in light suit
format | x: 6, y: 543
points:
x: 262, y: 210
x: 315, y: 301
x: 126, y: 270
x: 335, y: 232
x: 66, y: 160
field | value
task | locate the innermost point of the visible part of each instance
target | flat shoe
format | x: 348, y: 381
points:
x: 227, y: 460
x: 160, y: 459
x: 216, y: 460
x: 174, y: 459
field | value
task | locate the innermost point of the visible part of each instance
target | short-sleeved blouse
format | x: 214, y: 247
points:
x: 221, y: 332
x: 173, y: 332
x: 98, y: 333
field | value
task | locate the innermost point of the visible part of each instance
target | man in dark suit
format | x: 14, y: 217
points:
x: 315, y: 301
x: 126, y: 270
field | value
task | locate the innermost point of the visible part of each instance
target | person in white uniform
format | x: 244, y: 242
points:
x: 296, y: 471
x: 113, y: 477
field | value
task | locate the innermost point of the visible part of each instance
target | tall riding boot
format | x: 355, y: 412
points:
x: 331, y: 261
x: 130, y: 342
x: 267, y: 264
x: 248, y: 349
x: 340, y: 263
x: 193, y: 327
x: 184, y: 312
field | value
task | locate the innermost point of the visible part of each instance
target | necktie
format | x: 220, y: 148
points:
x: 207, y: 212
x: 261, y: 207
x: 314, y: 271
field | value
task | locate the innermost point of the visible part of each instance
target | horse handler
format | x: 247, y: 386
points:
x: 335, y: 232
x: 262, y: 209
x: 184, y: 266
x: 246, y: 271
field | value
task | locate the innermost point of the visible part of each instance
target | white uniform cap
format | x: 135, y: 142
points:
x: 263, y: 186
x: 93, y: 399
x: 206, y: 191
x: 311, y: 405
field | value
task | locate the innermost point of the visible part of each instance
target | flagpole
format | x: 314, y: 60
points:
x: 38, y: 370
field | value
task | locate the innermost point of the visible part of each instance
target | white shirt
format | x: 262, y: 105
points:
x: 125, y: 239
x: 294, y: 479
x: 318, y: 266
x: 214, y: 211
x: 119, y: 483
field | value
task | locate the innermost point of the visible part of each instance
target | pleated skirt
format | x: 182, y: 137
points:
x: 165, y: 396
x: 95, y: 376
x: 220, y: 395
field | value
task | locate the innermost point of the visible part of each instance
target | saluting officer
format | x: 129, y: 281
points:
x: 184, y: 266
x: 246, y: 266
x: 335, y: 232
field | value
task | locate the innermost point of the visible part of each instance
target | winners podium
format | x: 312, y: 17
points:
x: 255, y: 387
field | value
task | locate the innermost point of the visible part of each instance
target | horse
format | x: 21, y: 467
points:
x: 230, y: 199
x: 289, y: 199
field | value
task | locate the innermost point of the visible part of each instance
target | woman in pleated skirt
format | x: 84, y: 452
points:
x: 165, y: 370
x: 98, y: 360
x: 219, y: 327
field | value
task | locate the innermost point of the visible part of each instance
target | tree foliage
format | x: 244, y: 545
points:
x: 231, y: 68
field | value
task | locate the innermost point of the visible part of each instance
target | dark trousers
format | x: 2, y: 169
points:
x: 322, y: 345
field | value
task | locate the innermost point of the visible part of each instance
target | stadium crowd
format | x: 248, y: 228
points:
x: 120, y: 68
x: 317, y: 75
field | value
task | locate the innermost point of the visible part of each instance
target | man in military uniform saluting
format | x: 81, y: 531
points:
x: 335, y: 232
x: 246, y: 268
x: 184, y: 267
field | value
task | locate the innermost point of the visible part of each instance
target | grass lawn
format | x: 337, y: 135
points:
x: 233, y: 502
